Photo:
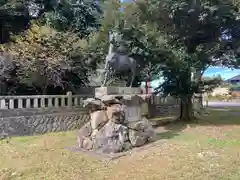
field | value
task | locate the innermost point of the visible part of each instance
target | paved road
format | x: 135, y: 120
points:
x: 223, y: 104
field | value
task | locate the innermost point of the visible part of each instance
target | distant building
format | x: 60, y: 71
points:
x: 235, y: 89
x: 220, y: 91
x: 234, y: 80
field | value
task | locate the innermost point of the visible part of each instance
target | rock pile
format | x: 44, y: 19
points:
x: 114, y: 126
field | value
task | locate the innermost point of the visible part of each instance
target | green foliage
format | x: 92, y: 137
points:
x: 45, y: 38
x: 80, y: 17
x: 234, y: 88
x: 46, y: 57
x: 171, y: 38
x: 14, y: 18
x: 167, y: 38
x: 192, y: 32
x: 145, y: 43
x: 7, y: 73
x: 178, y: 38
x: 210, y: 83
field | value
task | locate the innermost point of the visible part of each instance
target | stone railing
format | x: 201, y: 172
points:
x: 41, y: 101
x: 38, y: 114
x: 163, y: 107
x: 159, y: 100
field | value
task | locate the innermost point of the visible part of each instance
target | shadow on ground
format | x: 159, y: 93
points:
x: 216, y: 117
x: 171, y: 130
x: 221, y: 117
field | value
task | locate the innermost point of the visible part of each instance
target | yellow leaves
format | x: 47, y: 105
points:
x: 30, y: 36
x: 35, y: 28
x: 82, y: 43
x: 111, y: 14
x: 2, y: 49
x: 131, y: 13
x: 37, y: 34
x: 43, y: 44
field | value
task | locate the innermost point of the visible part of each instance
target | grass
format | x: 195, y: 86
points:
x: 208, y: 150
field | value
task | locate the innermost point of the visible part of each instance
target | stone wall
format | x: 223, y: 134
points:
x: 164, y: 110
x: 59, y: 117
x: 33, y: 122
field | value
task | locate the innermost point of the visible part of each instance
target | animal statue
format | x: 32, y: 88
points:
x: 119, y: 62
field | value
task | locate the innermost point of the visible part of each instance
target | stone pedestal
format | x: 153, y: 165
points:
x: 103, y: 91
x: 117, y: 123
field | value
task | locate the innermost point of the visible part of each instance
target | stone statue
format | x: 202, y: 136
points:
x: 119, y: 62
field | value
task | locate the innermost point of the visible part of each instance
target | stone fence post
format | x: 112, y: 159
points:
x: 69, y: 99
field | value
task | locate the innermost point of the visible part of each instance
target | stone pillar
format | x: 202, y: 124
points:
x: 69, y: 99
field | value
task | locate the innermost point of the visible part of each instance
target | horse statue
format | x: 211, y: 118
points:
x: 119, y: 62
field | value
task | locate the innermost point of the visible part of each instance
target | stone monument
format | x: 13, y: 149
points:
x: 117, y: 122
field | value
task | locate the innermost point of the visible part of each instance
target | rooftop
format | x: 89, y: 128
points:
x: 234, y: 78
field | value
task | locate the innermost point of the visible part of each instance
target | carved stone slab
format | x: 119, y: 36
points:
x: 111, y: 90
x: 133, y: 113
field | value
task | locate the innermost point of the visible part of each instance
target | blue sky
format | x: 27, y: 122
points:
x: 225, y: 73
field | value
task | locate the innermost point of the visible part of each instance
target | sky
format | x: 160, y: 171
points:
x: 225, y: 73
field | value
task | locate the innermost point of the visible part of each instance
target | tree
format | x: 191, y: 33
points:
x: 187, y: 37
x: 144, y: 43
x: 52, y: 42
x: 210, y: 83
x: 48, y: 58
x: 7, y: 72
x: 80, y: 17
x: 14, y: 18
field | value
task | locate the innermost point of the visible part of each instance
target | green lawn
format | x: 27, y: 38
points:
x: 209, y: 150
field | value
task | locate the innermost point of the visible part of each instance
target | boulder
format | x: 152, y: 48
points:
x: 111, y: 99
x: 84, y: 132
x: 111, y: 138
x: 93, y: 104
x: 137, y: 138
x: 116, y: 113
x: 98, y: 119
x: 148, y: 129
x: 87, y: 143
x: 94, y: 132
x: 141, y: 132
x: 150, y: 133
x: 113, y: 146
x: 137, y: 126
x: 127, y: 146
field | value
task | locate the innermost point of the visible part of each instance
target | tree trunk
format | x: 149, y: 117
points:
x: 146, y: 87
x: 186, y: 109
x: 44, y: 90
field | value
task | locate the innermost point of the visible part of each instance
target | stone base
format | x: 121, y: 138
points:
x: 101, y: 91
x: 118, y: 83
x: 116, y: 124
x: 114, y: 137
